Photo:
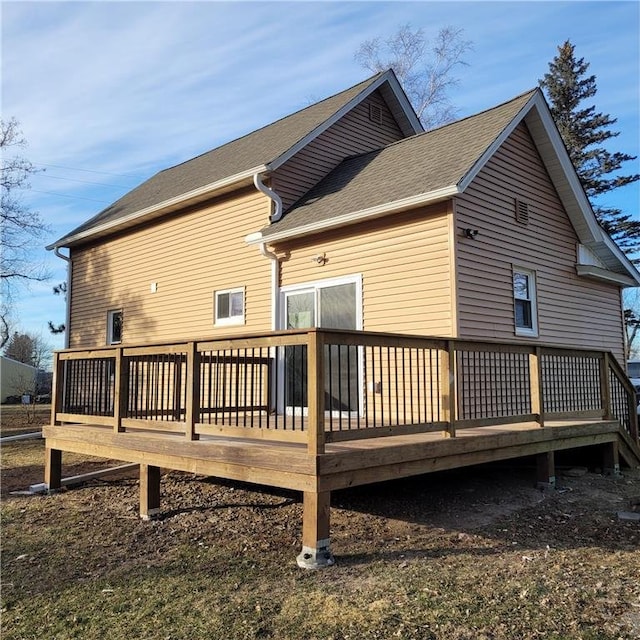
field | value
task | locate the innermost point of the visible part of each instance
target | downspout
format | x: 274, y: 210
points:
x: 275, y: 264
x: 275, y: 307
x: 270, y: 193
x: 67, y: 322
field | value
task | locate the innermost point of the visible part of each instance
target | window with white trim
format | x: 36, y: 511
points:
x: 229, y: 306
x: 524, y: 299
x: 114, y: 326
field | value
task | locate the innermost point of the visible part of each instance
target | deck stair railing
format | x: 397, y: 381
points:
x: 319, y: 386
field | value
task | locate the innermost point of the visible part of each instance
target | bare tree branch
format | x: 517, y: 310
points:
x: 20, y: 228
x: 426, y: 73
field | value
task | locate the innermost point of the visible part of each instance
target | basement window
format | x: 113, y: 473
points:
x: 524, y: 298
x: 229, y: 306
x: 114, y: 326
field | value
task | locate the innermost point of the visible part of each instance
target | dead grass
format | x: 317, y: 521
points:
x: 477, y: 554
x: 16, y: 419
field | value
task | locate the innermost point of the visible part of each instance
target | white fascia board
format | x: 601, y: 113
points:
x: 569, y: 171
x: 597, y: 273
x: 356, y: 216
x: 138, y: 216
x: 385, y: 77
x: 628, y: 266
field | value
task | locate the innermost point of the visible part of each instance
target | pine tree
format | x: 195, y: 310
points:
x: 583, y: 131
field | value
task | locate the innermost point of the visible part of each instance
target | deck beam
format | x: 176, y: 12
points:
x: 316, y: 550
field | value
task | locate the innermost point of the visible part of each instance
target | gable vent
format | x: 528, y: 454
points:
x: 522, y: 211
x: 375, y: 113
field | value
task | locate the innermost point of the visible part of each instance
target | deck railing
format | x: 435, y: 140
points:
x: 318, y: 386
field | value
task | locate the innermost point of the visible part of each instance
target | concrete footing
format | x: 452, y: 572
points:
x: 316, y: 558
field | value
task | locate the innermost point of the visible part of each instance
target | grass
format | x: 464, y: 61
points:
x: 220, y: 562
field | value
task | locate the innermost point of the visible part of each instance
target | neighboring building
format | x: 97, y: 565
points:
x: 16, y: 379
x: 477, y: 229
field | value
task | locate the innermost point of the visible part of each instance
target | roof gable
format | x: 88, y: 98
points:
x: 238, y: 161
x: 439, y: 164
x: 431, y: 164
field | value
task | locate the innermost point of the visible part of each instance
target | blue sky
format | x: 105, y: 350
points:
x: 108, y: 93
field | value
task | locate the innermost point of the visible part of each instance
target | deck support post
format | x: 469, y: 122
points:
x: 448, y: 392
x: 611, y: 460
x: 53, y: 469
x: 546, y: 468
x: 149, y: 491
x: 316, y: 552
x: 536, y: 382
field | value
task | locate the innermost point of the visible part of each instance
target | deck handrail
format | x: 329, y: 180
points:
x: 316, y: 386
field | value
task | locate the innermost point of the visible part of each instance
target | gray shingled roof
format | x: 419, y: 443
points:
x: 252, y: 150
x: 417, y: 165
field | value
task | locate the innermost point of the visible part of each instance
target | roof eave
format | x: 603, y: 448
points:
x: 604, y: 275
x: 370, y: 213
x: 137, y: 217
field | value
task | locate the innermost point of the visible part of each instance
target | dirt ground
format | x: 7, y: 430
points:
x: 494, y: 514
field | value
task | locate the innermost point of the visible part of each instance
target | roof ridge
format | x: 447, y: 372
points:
x: 441, y: 127
x: 364, y: 83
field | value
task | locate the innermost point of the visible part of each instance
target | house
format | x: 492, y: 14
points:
x: 16, y: 378
x: 342, y: 264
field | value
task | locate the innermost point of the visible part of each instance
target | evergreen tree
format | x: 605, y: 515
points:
x: 21, y: 347
x: 583, y: 131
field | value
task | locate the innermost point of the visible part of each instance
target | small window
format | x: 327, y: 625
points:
x: 229, y: 306
x: 114, y: 326
x: 524, y: 295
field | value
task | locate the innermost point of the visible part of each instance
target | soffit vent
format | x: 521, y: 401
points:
x: 375, y: 113
x: 522, y: 211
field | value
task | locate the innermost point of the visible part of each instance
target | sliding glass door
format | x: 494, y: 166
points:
x: 331, y: 304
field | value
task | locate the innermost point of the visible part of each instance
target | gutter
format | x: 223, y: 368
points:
x: 67, y: 321
x: 275, y: 264
x: 357, y: 216
x: 138, y: 216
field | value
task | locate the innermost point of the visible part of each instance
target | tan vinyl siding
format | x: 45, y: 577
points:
x: 572, y: 311
x: 353, y: 134
x: 189, y: 257
x: 404, y: 263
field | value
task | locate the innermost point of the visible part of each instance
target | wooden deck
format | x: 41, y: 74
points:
x: 316, y: 411
x: 343, y: 464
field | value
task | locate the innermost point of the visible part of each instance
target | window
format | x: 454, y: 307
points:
x: 229, y: 306
x: 114, y: 326
x: 524, y: 294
